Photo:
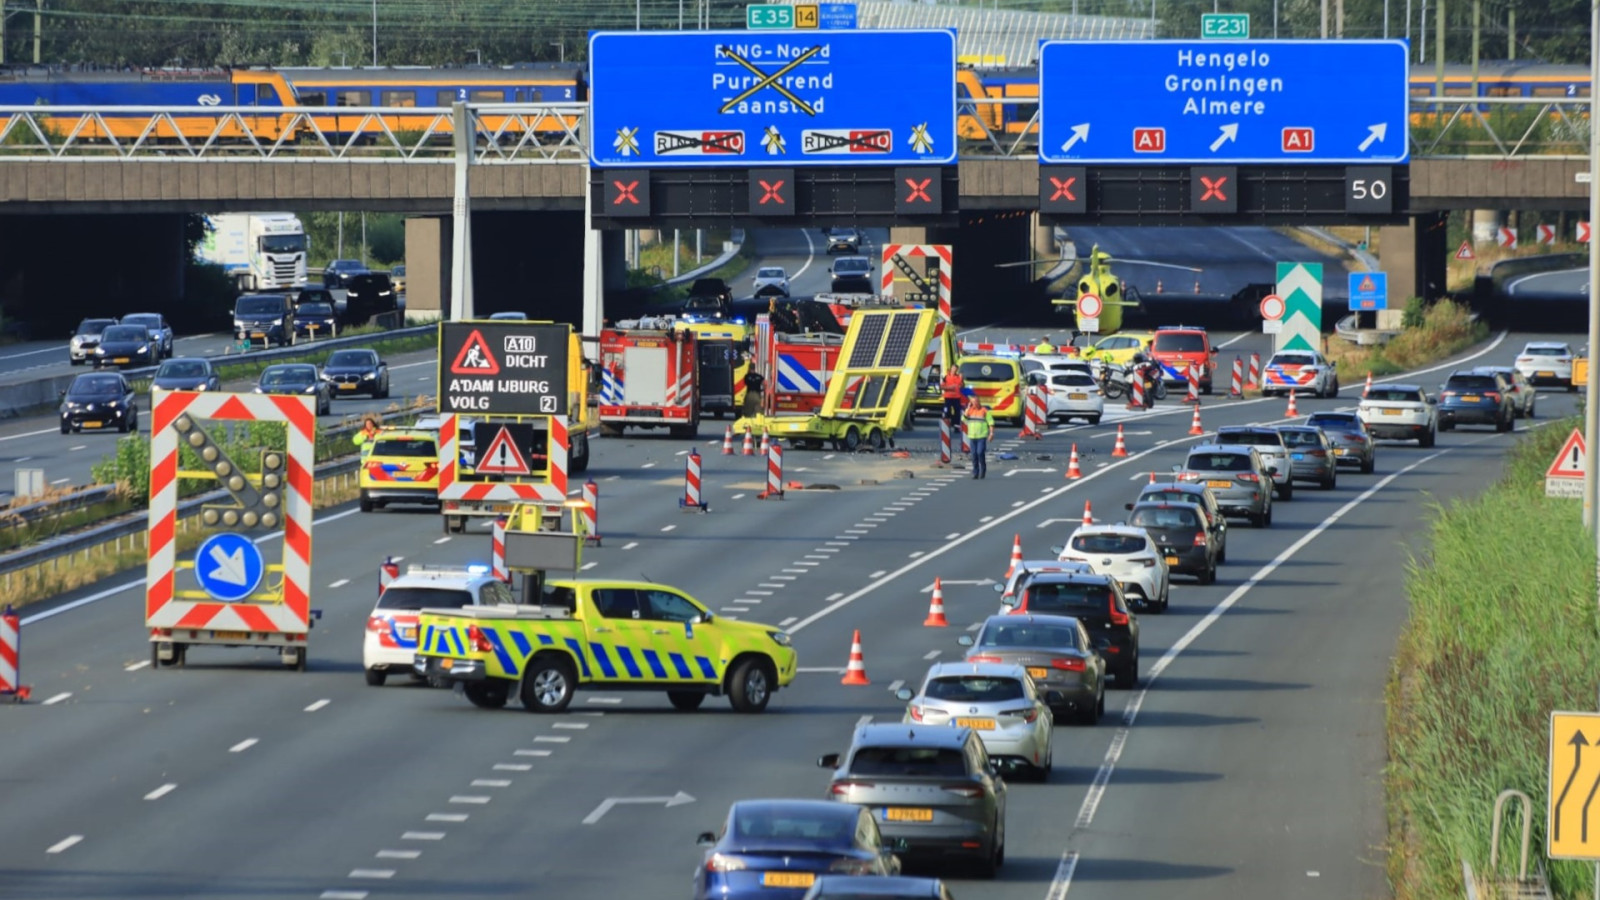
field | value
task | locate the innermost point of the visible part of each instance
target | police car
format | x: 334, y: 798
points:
x: 390, y: 644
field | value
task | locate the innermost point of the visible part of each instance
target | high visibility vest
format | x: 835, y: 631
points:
x: 978, y: 422
x: 952, y: 386
x: 1044, y: 347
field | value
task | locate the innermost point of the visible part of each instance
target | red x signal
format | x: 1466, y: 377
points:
x: 772, y: 192
x: 625, y: 192
x: 1063, y: 188
x: 919, y: 190
x: 1213, y: 188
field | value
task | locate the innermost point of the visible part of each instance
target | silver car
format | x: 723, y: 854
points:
x: 1311, y: 455
x: 1269, y: 443
x: 932, y: 789
x: 998, y: 701
x: 1025, y: 569
x: 1057, y: 653
x: 1237, y: 477
x: 770, y: 280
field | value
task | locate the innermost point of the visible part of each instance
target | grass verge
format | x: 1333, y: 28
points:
x: 1432, y: 332
x: 1503, y: 629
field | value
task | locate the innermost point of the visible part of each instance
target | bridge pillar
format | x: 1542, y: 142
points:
x: 913, y: 235
x: 1415, y: 256
x: 427, y: 264
x: 1044, y: 241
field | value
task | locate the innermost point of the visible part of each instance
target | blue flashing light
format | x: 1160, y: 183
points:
x: 478, y: 569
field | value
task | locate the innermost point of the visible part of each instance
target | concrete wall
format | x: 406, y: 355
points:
x: 427, y: 264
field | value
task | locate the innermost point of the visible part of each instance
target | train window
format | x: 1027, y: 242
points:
x: 350, y: 98
x: 314, y: 98
x: 1458, y: 92
x: 1562, y: 90
x: 536, y: 95
x: 1422, y: 91
x: 266, y: 96
x: 1503, y: 92
x: 398, y: 98
x: 446, y: 98
x: 488, y: 96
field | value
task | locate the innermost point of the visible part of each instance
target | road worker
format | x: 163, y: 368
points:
x: 979, y: 424
x: 954, y: 386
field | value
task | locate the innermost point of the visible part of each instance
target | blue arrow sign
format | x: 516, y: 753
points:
x: 781, y: 98
x: 1281, y: 102
x: 228, y: 566
x: 1369, y: 290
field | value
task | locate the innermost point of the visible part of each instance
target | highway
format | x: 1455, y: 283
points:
x: 1230, y: 258
x: 1569, y: 283
x: 43, y: 359
x: 1246, y: 764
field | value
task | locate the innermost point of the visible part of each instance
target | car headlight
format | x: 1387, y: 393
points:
x: 370, y: 376
x: 311, y: 389
x: 781, y: 638
x: 100, y: 351
x: 201, y: 386
x: 259, y: 390
x: 77, y: 341
x: 144, y: 348
x: 278, y: 321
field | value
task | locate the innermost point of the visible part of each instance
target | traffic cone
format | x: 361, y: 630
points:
x: 1088, y: 513
x: 1072, y: 464
x: 1016, y: 555
x: 936, y: 617
x: 1120, y: 449
x: 749, y: 444
x: 1291, y: 412
x: 1152, y: 478
x: 856, y: 671
x: 1194, y: 424
x: 766, y: 442
x: 727, y: 442
x: 1368, y: 389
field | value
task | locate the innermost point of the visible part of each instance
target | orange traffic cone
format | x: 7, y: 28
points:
x: 1368, y: 389
x: 1016, y: 555
x: 936, y: 617
x: 856, y: 671
x: 1120, y: 449
x: 766, y: 442
x: 749, y: 444
x: 1088, y: 513
x: 727, y: 442
x: 1194, y: 424
x: 1152, y: 478
x: 1072, y: 464
x: 1291, y: 412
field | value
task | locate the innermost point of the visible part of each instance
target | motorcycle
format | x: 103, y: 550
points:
x: 1116, y: 380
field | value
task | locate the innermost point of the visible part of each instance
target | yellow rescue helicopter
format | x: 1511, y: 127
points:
x: 1099, y: 280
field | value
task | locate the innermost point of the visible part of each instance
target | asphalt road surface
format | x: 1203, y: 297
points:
x: 1229, y: 259
x: 42, y: 359
x: 1247, y: 763
x: 1573, y: 283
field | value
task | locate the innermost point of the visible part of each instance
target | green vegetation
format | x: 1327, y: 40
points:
x: 1503, y: 630
x: 1433, y: 331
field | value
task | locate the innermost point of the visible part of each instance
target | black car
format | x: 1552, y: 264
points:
x: 350, y: 372
x: 1476, y: 397
x: 1183, y: 534
x: 84, y: 341
x: 315, y: 319
x: 1098, y: 602
x: 709, y: 295
x: 99, y: 400
x: 1197, y: 495
x: 186, y: 374
x: 126, y: 345
x: 296, y: 378
x: 339, y: 272
x: 268, y: 318
x: 158, y: 327
x: 366, y: 295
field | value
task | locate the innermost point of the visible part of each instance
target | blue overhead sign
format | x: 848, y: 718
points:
x: 228, y: 566
x: 1224, y: 102
x: 836, y: 15
x: 772, y: 98
x: 1369, y: 290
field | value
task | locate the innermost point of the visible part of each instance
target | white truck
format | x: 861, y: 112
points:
x: 260, y: 251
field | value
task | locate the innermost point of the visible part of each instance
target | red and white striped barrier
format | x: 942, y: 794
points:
x: 388, y: 571
x: 1193, y: 380
x: 497, y: 551
x: 944, y: 441
x: 1253, y: 381
x: 1136, y: 391
x: 1033, y: 414
x: 1236, y: 384
x: 774, y: 489
x: 691, y: 498
x: 591, y: 512
x: 11, y: 658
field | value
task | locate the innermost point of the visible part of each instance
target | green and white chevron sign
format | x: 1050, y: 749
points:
x: 1300, y: 286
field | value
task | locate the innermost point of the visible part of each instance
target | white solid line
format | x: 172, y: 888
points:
x: 340, y: 583
x: 60, y: 481
x: 551, y: 739
x: 64, y: 843
x: 343, y: 895
x: 896, y: 685
x: 822, y: 669
x: 785, y: 623
x: 243, y: 745
x: 605, y: 700
x: 469, y: 799
x: 422, y: 836
x: 530, y: 753
x: 443, y: 540
x: 630, y: 545
x: 318, y: 705
x: 399, y: 854
x: 1063, y: 879
x: 513, y: 767
x: 371, y: 873
x: 134, y: 667
x: 491, y: 782
x: 447, y: 817
x: 668, y: 527
x: 58, y: 698
x: 931, y: 654
x: 160, y: 792
x: 576, y: 726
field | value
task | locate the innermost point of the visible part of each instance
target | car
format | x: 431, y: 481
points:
x: 368, y: 294
x: 1475, y: 397
x: 1177, y: 347
x: 1524, y: 398
x: 187, y: 374
x: 339, y: 272
x: 314, y: 320
x: 852, y: 275
x: 931, y: 789
x: 1546, y: 362
x: 997, y: 381
x: 1065, y: 362
x: 390, y: 644
x: 397, y: 277
x: 1069, y: 394
x: 1194, y: 495
x: 1026, y: 569
x: 1352, y: 444
x: 508, y: 317
x: 84, y: 341
x: 1269, y: 443
x: 1236, y: 475
x: 159, y: 329
x: 1182, y: 535
x: 296, y: 378
x: 315, y: 295
x: 770, y: 280
x: 268, y: 318
x: 1311, y: 456
x: 126, y: 345
x: 1059, y: 657
x: 99, y: 400
x: 399, y: 465
x: 863, y: 887
x: 1099, y: 603
x: 1128, y: 554
x: 1400, y: 411
x: 1303, y: 371
x: 777, y: 849
x: 1119, y: 349
x: 843, y: 240
x: 997, y: 700
x: 715, y: 294
x: 358, y: 371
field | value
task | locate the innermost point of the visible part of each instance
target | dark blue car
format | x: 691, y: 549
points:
x: 776, y: 849
x: 1476, y: 397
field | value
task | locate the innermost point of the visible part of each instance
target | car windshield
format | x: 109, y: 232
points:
x: 283, y: 243
x: 405, y: 447
x: 1069, y: 597
x: 974, y: 689
x: 1170, y: 496
x: 708, y: 286
x: 259, y: 306
x: 1471, y: 383
x: 124, y: 333
x: 1029, y: 634
x: 1074, y: 379
x: 1251, y: 437
x: 1218, y: 462
x: 1301, y: 438
x: 421, y: 597
x: 1166, y: 517
x: 314, y: 309
x: 287, y: 376
x: 767, y: 823
x: 927, y: 762
x: 1546, y: 351
x: 987, y: 371
x: 1180, y: 342
x: 93, y: 326
x: 1108, y: 543
x: 1395, y: 395
x: 852, y: 265
x: 150, y: 322
x: 509, y: 316
x: 96, y: 386
x: 1335, y: 422
x: 1293, y: 359
x: 842, y: 233
x: 353, y: 358
x: 769, y: 273
x: 182, y: 368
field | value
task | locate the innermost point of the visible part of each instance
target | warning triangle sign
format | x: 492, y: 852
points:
x: 503, y: 457
x: 475, y: 358
x: 1570, y: 462
x: 1368, y: 285
x: 1465, y: 251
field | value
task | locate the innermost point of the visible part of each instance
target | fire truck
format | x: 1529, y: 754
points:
x: 665, y: 371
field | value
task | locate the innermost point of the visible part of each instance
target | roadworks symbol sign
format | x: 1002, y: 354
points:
x: 1465, y: 251
x: 503, y: 457
x: 475, y: 357
x: 1570, y: 462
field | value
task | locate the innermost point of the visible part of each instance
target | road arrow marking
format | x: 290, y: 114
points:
x: 678, y: 799
x: 1578, y: 742
x: 1374, y: 133
x: 1229, y: 133
x: 230, y: 566
x: 1079, y: 133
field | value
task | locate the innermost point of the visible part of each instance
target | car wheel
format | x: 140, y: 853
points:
x: 1222, y: 554
x: 1266, y: 517
x: 1532, y: 414
x: 1506, y: 425
x: 1286, y: 493
x: 1428, y: 439
x: 548, y: 685
x: 688, y: 701
x: 1208, y: 575
x: 375, y: 677
x: 1258, y: 520
x: 122, y: 425
x: 1128, y: 675
x: 1446, y: 426
x: 364, y: 503
x: 751, y: 685
x: 1368, y: 465
x: 66, y: 428
x: 488, y: 694
x: 990, y: 867
x: 1331, y: 482
x: 384, y: 394
x: 1094, y: 420
x: 852, y: 439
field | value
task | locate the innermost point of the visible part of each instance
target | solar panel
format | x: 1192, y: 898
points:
x: 867, y: 340
x: 902, y: 330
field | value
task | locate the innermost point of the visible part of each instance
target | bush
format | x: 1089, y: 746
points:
x: 1416, y: 313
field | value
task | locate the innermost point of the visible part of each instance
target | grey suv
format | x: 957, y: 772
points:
x: 933, y: 788
x: 1236, y: 475
x: 1269, y: 443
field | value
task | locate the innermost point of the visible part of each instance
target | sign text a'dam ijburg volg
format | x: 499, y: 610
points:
x: 503, y: 368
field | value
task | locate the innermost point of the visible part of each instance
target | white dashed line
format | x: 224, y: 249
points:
x: 834, y: 596
x: 610, y: 700
x: 160, y: 792
x: 826, y: 670
x: 805, y: 562
x: 443, y: 540
x: 399, y: 854
x: 588, y: 565
x: 877, y: 574
x: 974, y: 626
x: 760, y: 593
x: 531, y: 753
x: 789, y: 621
x: 60, y: 481
x: 551, y: 739
x: 823, y: 555
x: 915, y: 553
x: 630, y: 545
x: 318, y: 705
x: 668, y: 527
x: 737, y: 497
x: 648, y: 466
x: 987, y: 519
x: 768, y: 584
x: 750, y: 599
x: 837, y: 543
x: 343, y: 895
x: 491, y: 782
x: 513, y: 767
x: 864, y: 720
x: 134, y: 667
x: 783, y: 578
x: 447, y: 817
x: 855, y: 531
x: 573, y: 726
x: 243, y: 745
x: 792, y: 572
x: 952, y: 535
x: 371, y: 873
x: 931, y: 654
x: 79, y: 447
x: 469, y: 799
x: 896, y: 685
x: 422, y: 836
x: 64, y: 843
x: 340, y: 583
x: 58, y: 698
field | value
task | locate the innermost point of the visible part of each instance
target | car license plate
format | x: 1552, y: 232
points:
x: 1338, y: 452
x: 120, y: 360
x: 1172, y: 560
x: 907, y: 814
x: 258, y: 334
x: 447, y: 664
x: 1470, y: 398
x: 1544, y: 374
x: 1038, y: 672
x: 1393, y: 412
x: 347, y: 387
x: 1219, y: 484
x: 788, y: 879
x: 94, y: 424
x: 1299, y: 456
x: 979, y: 724
x: 1077, y: 396
x: 232, y: 635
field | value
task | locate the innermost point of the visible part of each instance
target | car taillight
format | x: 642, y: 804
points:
x: 721, y: 863
x: 852, y: 866
x: 1199, y: 538
x: 841, y: 788
x: 984, y: 659
x: 1029, y: 715
x: 1492, y: 395
x: 1149, y: 562
x: 964, y: 790
x: 1445, y: 395
x: 1321, y: 454
x: 1189, y: 476
x: 915, y: 712
x: 1067, y: 664
x: 478, y: 640
x: 377, y: 623
x: 1248, y: 476
x: 1524, y: 359
x: 1117, y: 617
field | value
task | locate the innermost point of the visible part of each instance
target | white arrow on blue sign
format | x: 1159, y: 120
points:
x: 228, y: 566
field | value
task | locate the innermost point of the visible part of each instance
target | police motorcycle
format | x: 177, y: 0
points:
x: 1115, y: 380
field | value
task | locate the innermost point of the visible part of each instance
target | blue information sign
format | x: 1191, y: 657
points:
x: 228, y: 566
x: 1224, y: 102
x: 772, y: 98
x: 1369, y: 290
x: 836, y: 15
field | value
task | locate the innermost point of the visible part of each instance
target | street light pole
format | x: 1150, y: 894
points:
x: 374, y: 33
x: 1591, y: 396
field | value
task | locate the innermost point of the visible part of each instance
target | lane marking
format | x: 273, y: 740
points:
x: 422, y: 836
x: 668, y: 527
x: 134, y: 667
x: 737, y: 497
x: 896, y: 685
x: 864, y: 720
x: 931, y: 654
x: 588, y: 565
x: 58, y: 698
x: 318, y: 705
x: 760, y: 593
x: 530, y: 753
x: 576, y: 726
x: 605, y: 700
x: 371, y: 873
x: 343, y: 895
x: 491, y: 782
x: 551, y: 739
x: 23, y: 434
x: 160, y: 792
x: 447, y: 817
x: 513, y: 767
x: 1063, y: 879
x: 340, y: 583
x: 60, y: 481
x: 243, y: 745
x: 786, y: 622
x: 835, y: 595
x: 443, y: 540
x: 79, y: 447
x: 822, y: 669
x: 767, y: 584
x: 469, y: 799
x: 399, y: 854
x: 630, y: 545
x: 64, y: 843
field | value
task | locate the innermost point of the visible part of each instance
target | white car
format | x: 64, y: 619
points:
x: 998, y: 701
x: 770, y: 280
x: 1026, y: 569
x: 1546, y: 362
x: 1126, y: 553
x: 1400, y: 411
x: 1069, y: 394
x: 1305, y: 372
x: 1269, y: 443
x: 390, y: 644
